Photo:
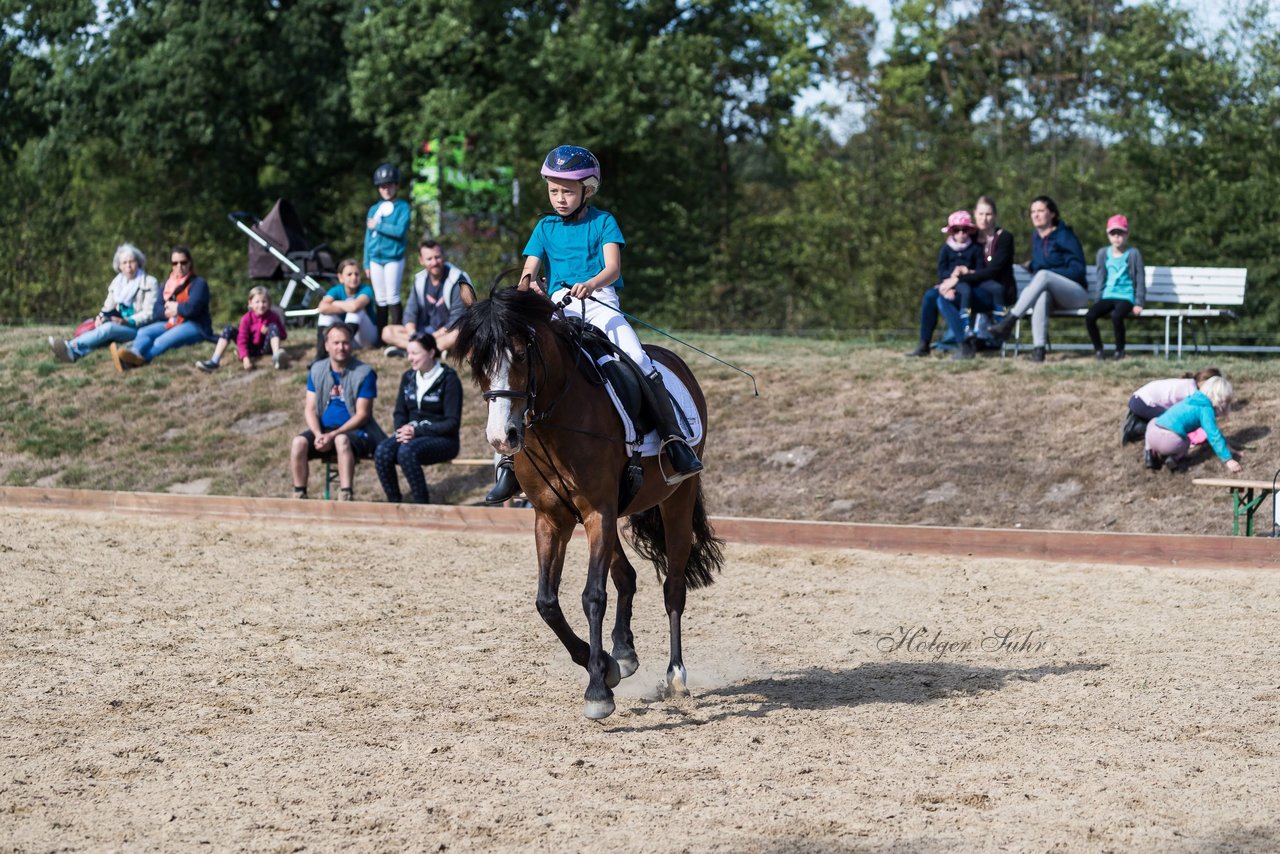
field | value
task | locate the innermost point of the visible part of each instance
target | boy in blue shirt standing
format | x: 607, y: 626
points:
x: 582, y: 249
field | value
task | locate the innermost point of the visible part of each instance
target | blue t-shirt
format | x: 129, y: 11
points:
x: 336, y: 413
x: 574, y: 252
x: 1119, y: 285
x: 339, y: 292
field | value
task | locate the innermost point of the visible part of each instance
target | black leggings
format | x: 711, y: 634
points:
x: 1119, y: 308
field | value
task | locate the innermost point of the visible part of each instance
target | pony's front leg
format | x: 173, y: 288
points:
x: 676, y: 513
x: 602, y: 671
x: 552, y: 540
x: 624, y: 581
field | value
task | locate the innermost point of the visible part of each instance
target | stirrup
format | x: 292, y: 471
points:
x: 687, y: 468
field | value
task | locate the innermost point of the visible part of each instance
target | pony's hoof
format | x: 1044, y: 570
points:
x: 598, y: 709
x: 677, y: 682
x: 628, y: 664
x: 613, y: 674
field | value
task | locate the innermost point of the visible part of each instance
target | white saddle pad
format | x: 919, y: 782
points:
x: 649, y: 444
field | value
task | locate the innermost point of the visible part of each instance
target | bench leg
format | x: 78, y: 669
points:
x: 1243, y: 503
x: 330, y: 475
x: 1166, y: 338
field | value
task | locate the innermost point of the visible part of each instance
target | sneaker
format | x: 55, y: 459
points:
x: 280, y: 360
x: 1037, y: 354
x: 921, y: 350
x: 61, y: 350
x: 394, y: 353
x: 1118, y: 355
x: 346, y: 495
x: 208, y: 365
x: 126, y: 358
x: 1100, y: 355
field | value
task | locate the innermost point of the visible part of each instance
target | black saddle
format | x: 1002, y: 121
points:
x: 609, y: 364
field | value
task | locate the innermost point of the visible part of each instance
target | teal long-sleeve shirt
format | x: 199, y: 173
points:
x: 1194, y: 411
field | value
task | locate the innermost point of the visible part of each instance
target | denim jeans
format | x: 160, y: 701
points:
x: 981, y: 299
x: 153, y: 339
x: 99, y: 337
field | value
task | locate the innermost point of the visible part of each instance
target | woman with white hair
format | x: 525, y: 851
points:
x: 1167, y: 439
x: 130, y: 303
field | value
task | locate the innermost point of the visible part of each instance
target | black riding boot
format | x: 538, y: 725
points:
x: 506, y: 485
x: 683, y: 461
x: 394, y: 314
x: 382, y: 323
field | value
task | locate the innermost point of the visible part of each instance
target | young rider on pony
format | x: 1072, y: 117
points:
x: 582, y: 248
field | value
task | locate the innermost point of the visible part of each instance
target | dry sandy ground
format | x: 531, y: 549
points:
x: 169, y: 685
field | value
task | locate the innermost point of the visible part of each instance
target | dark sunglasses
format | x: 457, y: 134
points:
x: 186, y: 262
x: 959, y: 230
x: 1115, y: 231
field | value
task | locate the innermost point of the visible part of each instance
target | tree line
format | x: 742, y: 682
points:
x: 148, y: 121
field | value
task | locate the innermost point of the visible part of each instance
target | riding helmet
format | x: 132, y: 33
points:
x: 572, y: 163
x: 386, y: 174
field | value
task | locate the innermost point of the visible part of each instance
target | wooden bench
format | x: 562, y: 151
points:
x: 1246, y: 497
x: 331, y: 468
x: 1199, y: 292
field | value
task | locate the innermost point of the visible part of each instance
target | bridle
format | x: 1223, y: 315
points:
x: 532, y: 418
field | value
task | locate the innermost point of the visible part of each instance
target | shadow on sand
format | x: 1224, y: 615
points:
x: 881, y: 682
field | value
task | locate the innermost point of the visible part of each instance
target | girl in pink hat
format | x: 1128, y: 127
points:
x: 1120, y: 266
x: 959, y: 254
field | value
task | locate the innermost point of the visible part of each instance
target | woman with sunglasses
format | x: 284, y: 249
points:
x: 959, y: 254
x: 184, y: 318
x: 1120, y: 266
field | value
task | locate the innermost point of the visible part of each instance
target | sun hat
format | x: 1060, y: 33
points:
x: 960, y: 219
x: 1118, y: 222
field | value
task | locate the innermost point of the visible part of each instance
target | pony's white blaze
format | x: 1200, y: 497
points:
x: 502, y: 411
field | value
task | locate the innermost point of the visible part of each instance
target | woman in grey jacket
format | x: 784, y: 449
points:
x: 1119, y: 266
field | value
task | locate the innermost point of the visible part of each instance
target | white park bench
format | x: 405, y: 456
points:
x: 1172, y: 292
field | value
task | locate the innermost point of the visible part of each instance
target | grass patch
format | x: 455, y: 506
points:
x: 991, y: 442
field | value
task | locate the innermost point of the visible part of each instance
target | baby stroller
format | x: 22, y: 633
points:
x: 279, y: 250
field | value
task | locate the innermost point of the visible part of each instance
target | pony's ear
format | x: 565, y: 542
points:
x: 467, y: 293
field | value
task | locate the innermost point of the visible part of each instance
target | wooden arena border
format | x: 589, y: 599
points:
x: 1154, y: 550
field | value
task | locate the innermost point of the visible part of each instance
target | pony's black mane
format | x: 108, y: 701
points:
x: 488, y: 326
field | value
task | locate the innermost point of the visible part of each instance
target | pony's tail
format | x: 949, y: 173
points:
x: 648, y: 537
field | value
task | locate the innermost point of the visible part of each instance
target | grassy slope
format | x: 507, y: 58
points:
x: 840, y: 432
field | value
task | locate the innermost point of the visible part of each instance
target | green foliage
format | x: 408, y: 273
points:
x: 149, y: 121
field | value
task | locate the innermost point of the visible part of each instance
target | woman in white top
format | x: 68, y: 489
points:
x: 130, y: 303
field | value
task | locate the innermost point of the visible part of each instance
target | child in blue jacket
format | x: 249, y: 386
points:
x: 959, y: 254
x: 386, y: 227
x: 1167, y: 435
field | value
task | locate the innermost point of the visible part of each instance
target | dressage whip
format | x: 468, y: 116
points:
x: 568, y: 298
